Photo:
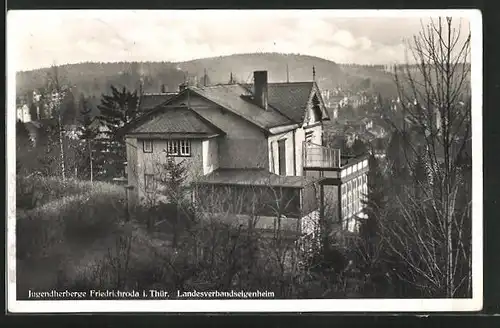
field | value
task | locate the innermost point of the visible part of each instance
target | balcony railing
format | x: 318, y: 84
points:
x: 319, y: 156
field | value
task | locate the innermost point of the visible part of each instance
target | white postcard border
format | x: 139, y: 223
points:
x: 306, y: 305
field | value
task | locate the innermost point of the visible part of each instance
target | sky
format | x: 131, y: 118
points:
x: 42, y: 38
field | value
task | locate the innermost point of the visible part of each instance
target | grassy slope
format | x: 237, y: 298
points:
x: 68, y: 239
x: 72, y: 225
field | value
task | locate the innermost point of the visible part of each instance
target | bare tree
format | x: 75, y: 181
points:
x: 55, y: 101
x: 87, y: 131
x: 432, y: 233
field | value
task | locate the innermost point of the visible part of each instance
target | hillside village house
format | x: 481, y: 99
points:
x: 258, y: 147
x: 23, y: 113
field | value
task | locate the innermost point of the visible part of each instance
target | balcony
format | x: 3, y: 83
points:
x: 323, y: 162
x: 317, y: 156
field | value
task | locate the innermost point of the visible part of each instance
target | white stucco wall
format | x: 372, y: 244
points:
x: 299, y: 136
x: 299, y: 141
x: 317, y: 131
x: 244, y: 146
x: 210, y: 155
x: 132, y: 169
x: 147, y: 163
x: 274, y: 152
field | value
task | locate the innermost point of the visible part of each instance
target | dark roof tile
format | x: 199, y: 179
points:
x: 177, y: 120
x: 150, y: 101
x: 288, y: 102
x: 289, y: 98
x: 232, y: 97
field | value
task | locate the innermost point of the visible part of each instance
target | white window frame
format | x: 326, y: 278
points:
x: 171, y: 146
x: 180, y: 147
x: 144, y: 148
x: 184, y: 147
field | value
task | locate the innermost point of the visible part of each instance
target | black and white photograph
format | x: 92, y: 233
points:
x: 244, y: 161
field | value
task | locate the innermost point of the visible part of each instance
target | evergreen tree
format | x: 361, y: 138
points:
x: 397, y: 158
x: 116, y: 110
x: 370, y: 244
x: 173, y: 178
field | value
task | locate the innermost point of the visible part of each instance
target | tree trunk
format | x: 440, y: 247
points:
x: 61, y: 145
x: 90, y: 160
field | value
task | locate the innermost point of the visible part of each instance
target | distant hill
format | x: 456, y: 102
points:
x: 93, y: 79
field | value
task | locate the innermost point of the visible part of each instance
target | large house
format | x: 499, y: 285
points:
x: 258, y: 147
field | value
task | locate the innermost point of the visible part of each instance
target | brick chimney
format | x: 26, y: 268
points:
x: 260, y: 88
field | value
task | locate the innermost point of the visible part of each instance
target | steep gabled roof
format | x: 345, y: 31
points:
x: 236, y: 99
x: 290, y: 98
x: 176, y: 120
x: 287, y: 102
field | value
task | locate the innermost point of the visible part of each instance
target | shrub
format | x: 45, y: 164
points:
x: 47, y: 189
x: 25, y: 194
x: 61, y: 229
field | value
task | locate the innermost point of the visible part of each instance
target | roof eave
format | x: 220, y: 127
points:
x: 283, y: 128
x: 176, y: 135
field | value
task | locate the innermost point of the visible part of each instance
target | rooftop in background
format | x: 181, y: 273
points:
x: 255, y: 177
x: 152, y: 100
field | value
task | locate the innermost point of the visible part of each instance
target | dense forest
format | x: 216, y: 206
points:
x: 93, y: 79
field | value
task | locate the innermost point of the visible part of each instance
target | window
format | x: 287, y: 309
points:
x: 147, y: 146
x: 185, y: 147
x: 281, y: 157
x: 148, y: 182
x: 173, y: 147
x: 179, y: 147
x: 309, y: 136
